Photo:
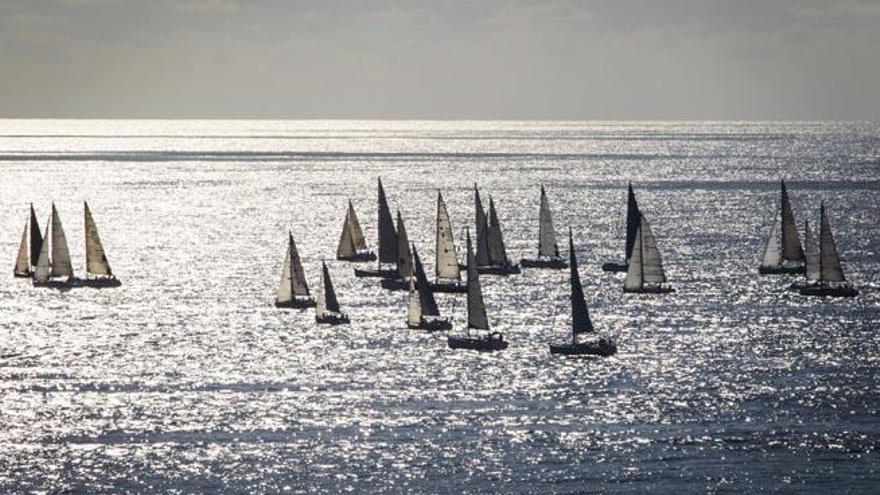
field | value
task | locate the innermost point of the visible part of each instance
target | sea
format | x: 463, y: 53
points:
x: 186, y: 379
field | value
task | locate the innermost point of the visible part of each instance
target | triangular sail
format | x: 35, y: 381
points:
x: 497, y: 252
x: 632, y: 221
x: 414, y: 306
x: 285, y: 286
x: 357, y: 234
x: 404, y: 256
x: 830, y: 270
x: 330, y: 302
x: 446, y: 261
x: 811, y: 250
x: 426, y: 294
x: 546, y: 233
x: 791, y: 243
x: 482, y: 256
x: 298, y: 276
x: 645, y: 265
x: 387, y: 234
x: 43, y: 269
x: 476, y: 308
x: 36, y: 237
x: 96, y: 259
x: 346, y: 242
x: 61, y: 266
x: 580, y: 315
x: 772, y: 251
x: 22, y: 267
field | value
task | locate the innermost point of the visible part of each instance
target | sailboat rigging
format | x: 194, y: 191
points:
x: 352, y: 244
x: 645, y: 273
x: 491, y: 256
x: 826, y: 268
x: 387, y: 241
x: 548, y: 250
x: 293, y: 290
x: 448, y: 271
x: 98, y: 272
x: 783, y: 244
x: 54, y: 268
x: 29, y: 248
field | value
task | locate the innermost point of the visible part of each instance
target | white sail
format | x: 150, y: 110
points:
x: 831, y: 271
x: 645, y: 265
x: 773, y: 250
x: 476, y: 308
x: 320, y: 300
x: 285, y: 286
x: 446, y: 261
x: 357, y: 234
x: 497, y: 251
x: 346, y: 243
x: 298, y: 275
x: 96, y: 260
x: 61, y: 266
x: 811, y: 250
x: 791, y: 243
x: 546, y: 233
x: 21, y: 261
x: 414, y: 308
x: 43, y: 270
x: 404, y: 261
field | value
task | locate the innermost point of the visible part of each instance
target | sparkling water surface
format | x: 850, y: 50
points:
x: 187, y: 379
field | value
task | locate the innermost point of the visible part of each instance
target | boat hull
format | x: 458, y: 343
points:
x: 379, y: 273
x: 599, y: 348
x: 650, y: 290
x: 70, y: 283
x: 800, y: 284
x: 488, y: 343
x: 826, y: 291
x: 499, y: 270
x: 296, y: 303
x: 394, y: 284
x: 614, y: 267
x: 332, y: 319
x: 548, y: 263
x: 27, y: 274
x: 358, y: 257
x: 455, y: 286
x: 782, y: 270
x: 101, y: 283
x: 438, y: 325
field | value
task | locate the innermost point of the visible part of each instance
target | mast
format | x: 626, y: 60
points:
x: 580, y: 315
x: 791, y: 243
x: 477, y: 318
x: 482, y: 257
x: 96, y: 259
x: 632, y: 221
x: 830, y: 269
x: 446, y: 261
x: 61, y: 266
x: 387, y: 234
x: 404, y: 259
x: 497, y: 252
x: 36, y: 237
x: 426, y: 295
x: 546, y: 233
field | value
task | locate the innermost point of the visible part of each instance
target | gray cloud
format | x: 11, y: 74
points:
x: 810, y: 59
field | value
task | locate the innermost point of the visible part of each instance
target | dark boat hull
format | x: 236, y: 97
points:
x: 800, y: 284
x: 26, y: 274
x: 600, y: 348
x: 70, y: 283
x: 488, y: 343
x: 394, y: 284
x: 438, y: 325
x: 100, y: 283
x: 332, y: 319
x: 296, y: 304
x: 456, y: 286
x: 782, y: 270
x: 359, y: 257
x: 549, y: 263
x: 615, y: 267
x: 379, y: 273
x: 499, y: 270
x: 650, y: 290
x: 826, y: 291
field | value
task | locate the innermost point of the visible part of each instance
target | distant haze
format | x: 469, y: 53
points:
x: 481, y: 59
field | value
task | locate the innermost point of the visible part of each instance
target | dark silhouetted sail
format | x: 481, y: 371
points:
x: 22, y: 266
x: 446, y: 260
x: 632, y: 221
x: 773, y: 250
x: 482, y: 257
x: 404, y: 257
x: 36, y: 237
x: 497, y: 251
x: 387, y: 234
x: 791, y: 243
x: 580, y: 316
x: 546, y: 233
x: 328, y: 302
x: 830, y: 268
x: 426, y: 295
x: 476, y: 308
x: 96, y: 259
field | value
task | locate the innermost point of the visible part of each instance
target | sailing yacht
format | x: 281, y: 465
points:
x: 826, y: 268
x: 491, y: 255
x: 29, y: 248
x: 53, y: 267
x: 387, y: 242
x: 580, y: 318
x: 404, y: 260
x: 293, y: 290
x: 645, y: 272
x: 632, y: 225
x: 476, y: 314
x: 811, y: 254
x: 548, y: 250
x: 327, y: 308
x: 783, y: 244
x: 98, y: 272
x: 423, y: 312
x: 448, y: 272
x: 352, y: 244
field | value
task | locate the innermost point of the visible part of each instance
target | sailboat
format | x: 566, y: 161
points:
x: 830, y: 281
x: 632, y: 225
x: 327, y: 309
x: 580, y: 318
x: 491, y: 255
x: 423, y: 312
x: 476, y: 313
x: 98, y: 272
x: 352, y: 245
x: 387, y: 242
x: 293, y: 290
x: 448, y: 272
x: 53, y: 264
x: 645, y: 273
x: 404, y: 260
x: 548, y: 250
x: 783, y: 244
x: 28, y: 254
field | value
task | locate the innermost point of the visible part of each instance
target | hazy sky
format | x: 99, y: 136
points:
x: 689, y: 59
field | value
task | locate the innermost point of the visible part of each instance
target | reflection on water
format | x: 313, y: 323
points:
x: 186, y: 378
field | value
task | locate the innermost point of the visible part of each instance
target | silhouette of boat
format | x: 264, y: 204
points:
x: 783, y: 243
x: 28, y: 254
x: 352, y: 244
x: 404, y: 260
x: 645, y: 274
x: 293, y: 290
x: 448, y: 271
x: 53, y: 268
x: 387, y: 242
x: 422, y: 312
x: 327, y: 309
x: 548, y: 250
x: 632, y: 225
x: 829, y: 278
x: 491, y: 255
x: 98, y: 272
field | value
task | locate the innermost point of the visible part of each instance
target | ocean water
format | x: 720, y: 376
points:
x: 187, y: 379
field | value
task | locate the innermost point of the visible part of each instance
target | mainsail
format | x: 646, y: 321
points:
x: 829, y: 261
x: 387, y: 234
x: 546, y: 233
x: 293, y: 277
x: 22, y: 267
x: 285, y: 286
x: 61, y: 266
x: 414, y: 306
x: 772, y: 251
x: 96, y: 260
x: 632, y: 221
x: 791, y: 243
x: 482, y: 256
x: 36, y: 237
x: 43, y: 269
x: 813, y: 256
x: 327, y: 301
x: 426, y: 295
x: 580, y: 316
x: 352, y: 239
x: 497, y: 252
x: 476, y: 308
x: 645, y: 265
x: 404, y: 257
x: 446, y: 261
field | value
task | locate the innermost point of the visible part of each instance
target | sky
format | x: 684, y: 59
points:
x: 465, y: 59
